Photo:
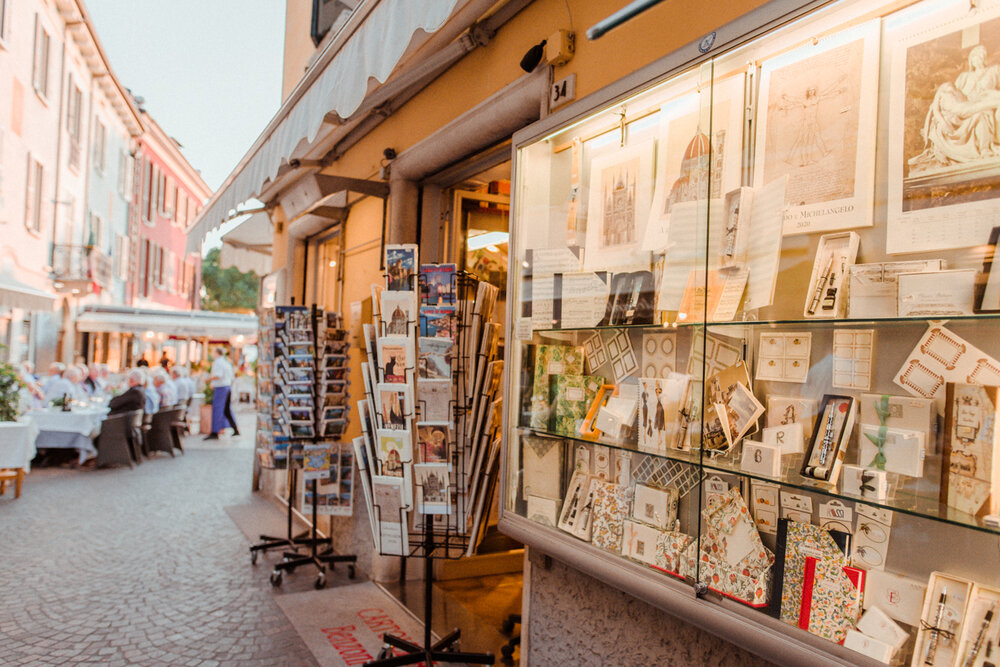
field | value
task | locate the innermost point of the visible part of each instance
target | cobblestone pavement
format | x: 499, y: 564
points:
x: 139, y: 567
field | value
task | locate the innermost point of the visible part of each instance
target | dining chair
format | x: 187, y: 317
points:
x: 113, y: 445
x: 15, y: 475
x: 161, y: 436
x: 136, y: 434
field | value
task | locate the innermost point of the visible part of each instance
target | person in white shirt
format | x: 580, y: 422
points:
x: 165, y: 387
x: 221, y: 381
x: 56, y: 370
x: 185, y: 388
x: 67, y: 385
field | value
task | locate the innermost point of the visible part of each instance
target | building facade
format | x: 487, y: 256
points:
x: 168, y: 194
x: 73, y: 145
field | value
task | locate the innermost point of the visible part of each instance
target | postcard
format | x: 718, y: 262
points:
x: 390, y: 515
x: 437, y: 284
x: 438, y: 322
x: 432, y: 442
x: 435, y: 400
x: 400, y: 267
x: 435, y: 358
x: 396, y: 358
x: 395, y: 405
x: 394, y: 450
x: 398, y: 313
x: 433, y: 496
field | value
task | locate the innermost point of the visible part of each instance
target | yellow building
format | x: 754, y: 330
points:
x: 397, y: 127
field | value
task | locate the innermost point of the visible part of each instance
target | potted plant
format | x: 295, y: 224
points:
x: 10, y: 393
x: 205, y: 414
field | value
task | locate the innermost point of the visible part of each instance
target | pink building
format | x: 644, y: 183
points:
x: 168, y: 194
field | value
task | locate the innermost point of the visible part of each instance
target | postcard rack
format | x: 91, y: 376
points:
x: 303, y: 344
x: 439, y: 484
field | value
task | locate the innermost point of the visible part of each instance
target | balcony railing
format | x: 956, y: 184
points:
x: 80, y: 264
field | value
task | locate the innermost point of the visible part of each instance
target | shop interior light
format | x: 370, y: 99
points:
x: 487, y: 239
x: 333, y: 263
x: 149, y: 334
x: 59, y: 285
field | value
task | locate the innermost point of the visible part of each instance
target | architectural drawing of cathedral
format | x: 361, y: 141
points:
x: 694, y: 172
x: 619, y: 209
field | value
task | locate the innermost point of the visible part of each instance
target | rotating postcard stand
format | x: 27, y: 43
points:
x: 439, y: 502
x: 305, y: 378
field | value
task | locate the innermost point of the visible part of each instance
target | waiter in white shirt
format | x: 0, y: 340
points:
x: 221, y: 381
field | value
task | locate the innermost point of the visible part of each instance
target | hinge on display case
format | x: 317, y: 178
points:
x: 700, y: 590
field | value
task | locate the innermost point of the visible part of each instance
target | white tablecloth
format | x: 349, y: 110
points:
x: 17, y: 443
x: 69, y: 430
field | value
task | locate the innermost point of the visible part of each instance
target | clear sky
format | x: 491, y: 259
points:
x: 209, y: 70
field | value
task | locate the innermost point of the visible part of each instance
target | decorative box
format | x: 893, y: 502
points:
x: 941, y: 620
x: 864, y: 482
x: 826, y: 296
x: 830, y: 437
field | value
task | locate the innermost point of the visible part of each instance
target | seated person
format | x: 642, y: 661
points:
x: 68, y: 385
x: 185, y: 387
x: 165, y: 387
x: 56, y: 370
x: 134, y: 398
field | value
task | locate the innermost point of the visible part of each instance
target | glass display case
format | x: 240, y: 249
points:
x: 752, y: 371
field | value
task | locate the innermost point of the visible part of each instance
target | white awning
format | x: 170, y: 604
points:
x: 15, y: 294
x: 372, y: 50
x: 248, y: 246
x: 192, y: 323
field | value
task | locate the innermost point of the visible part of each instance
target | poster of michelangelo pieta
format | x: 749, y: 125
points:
x: 944, y: 144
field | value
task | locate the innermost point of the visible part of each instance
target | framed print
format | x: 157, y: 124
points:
x: 943, y: 181
x: 816, y: 124
x: 686, y: 153
x: 988, y: 286
x: 621, y: 185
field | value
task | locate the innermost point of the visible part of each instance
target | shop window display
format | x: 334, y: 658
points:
x: 752, y: 333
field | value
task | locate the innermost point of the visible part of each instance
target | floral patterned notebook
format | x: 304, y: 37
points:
x: 572, y: 396
x: 733, y: 559
x: 610, y: 509
x: 550, y: 360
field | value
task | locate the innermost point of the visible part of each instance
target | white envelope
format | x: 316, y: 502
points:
x: 876, y: 623
x: 904, y: 450
x: 942, y: 293
x: 869, y: 646
x: 899, y: 597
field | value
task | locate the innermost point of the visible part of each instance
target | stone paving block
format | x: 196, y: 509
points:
x: 140, y: 566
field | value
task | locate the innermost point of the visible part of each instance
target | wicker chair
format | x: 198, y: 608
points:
x: 114, y: 441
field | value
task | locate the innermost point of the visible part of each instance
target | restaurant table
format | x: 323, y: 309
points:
x: 17, y: 443
x: 69, y: 430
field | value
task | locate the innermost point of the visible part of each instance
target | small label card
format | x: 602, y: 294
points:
x: 787, y: 438
x: 761, y: 459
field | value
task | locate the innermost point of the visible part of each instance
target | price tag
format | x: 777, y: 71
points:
x: 795, y: 501
x: 522, y: 329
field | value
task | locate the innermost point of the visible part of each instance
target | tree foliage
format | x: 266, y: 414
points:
x: 227, y: 289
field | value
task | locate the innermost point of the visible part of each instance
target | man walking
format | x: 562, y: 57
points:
x: 221, y: 381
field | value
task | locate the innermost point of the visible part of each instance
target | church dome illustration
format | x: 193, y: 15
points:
x: 698, y: 146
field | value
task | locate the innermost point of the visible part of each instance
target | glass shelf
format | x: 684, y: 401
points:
x: 691, y: 457
x: 782, y: 322
x: 903, y: 501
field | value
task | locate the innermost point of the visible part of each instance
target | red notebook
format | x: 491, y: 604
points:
x: 840, y: 608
